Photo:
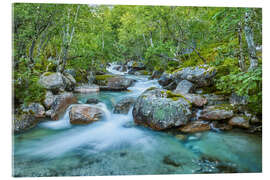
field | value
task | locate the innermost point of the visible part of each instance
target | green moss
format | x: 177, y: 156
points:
x: 226, y: 107
x: 48, y: 73
x: 103, y: 77
x: 171, y: 94
x: 151, y: 88
x: 144, y: 72
x: 175, y: 98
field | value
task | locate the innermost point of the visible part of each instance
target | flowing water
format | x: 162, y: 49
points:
x: 116, y: 146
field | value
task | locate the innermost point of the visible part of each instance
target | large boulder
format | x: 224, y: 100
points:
x: 165, y: 79
x: 201, y: 75
x: 37, y: 110
x: 52, y: 81
x: 219, y: 112
x: 83, y: 114
x: 184, y: 87
x: 60, y: 104
x: 113, y: 82
x: 159, y: 109
x: 240, y: 121
x: 57, y: 82
x: 123, y: 106
x: 49, y: 99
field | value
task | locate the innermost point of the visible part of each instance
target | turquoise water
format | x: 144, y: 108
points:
x: 116, y: 146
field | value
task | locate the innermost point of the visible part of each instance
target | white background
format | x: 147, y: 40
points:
x: 6, y: 84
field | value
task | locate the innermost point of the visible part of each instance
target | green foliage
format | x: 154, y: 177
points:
x: 103, y: 77
x: 162, y: 37
x: 247, y: 84
x: 26, y: 86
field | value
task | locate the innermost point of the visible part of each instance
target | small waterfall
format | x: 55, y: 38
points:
x: 62, y: 123
x: 198, y: 114
x: 111, y: 69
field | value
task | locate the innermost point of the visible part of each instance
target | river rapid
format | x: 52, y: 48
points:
x: 117, y: 146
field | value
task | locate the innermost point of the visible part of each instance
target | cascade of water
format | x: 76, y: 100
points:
x: 111, y: 69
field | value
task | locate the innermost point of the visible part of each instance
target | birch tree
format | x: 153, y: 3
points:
x: 68, y: 33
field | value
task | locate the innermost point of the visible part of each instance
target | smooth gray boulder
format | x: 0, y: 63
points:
x: 200, y: 75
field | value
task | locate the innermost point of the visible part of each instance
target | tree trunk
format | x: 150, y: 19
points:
x: 151, y: 40
x: 67, y: 39
x: 250, y: 42
x: 31, y: 50
x: 241, y: 54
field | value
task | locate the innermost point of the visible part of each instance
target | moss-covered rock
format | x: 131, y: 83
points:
x: 159, y: 109
x: 218, y: 112
x: 113, y: 82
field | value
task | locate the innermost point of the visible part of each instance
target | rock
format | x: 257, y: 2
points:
x: 165, y: 79
x: 69, y: 82
x: 239, y: 121
x: 91, y: 77
x: 200, y: 75
x: 216, y: 112
x: 113, y: 82
x: 159, y: 110
x: 238, y: 100
x: 123, y: 68
x: 123, y: 106
x: 254, y: 120
x: 49, y: 99
x: 184, y: 87
x: 37, y: 110
x: 61, y: 102
x: 214, y: 99
x: 48, y: 113
x: 23, y: 122
x: 195, y: 126
x: 171, y: 161
x: 181, y: 137
x: 82, y: 114
x: 52, y: 81
x: 132, y: 65
x: 217, y: 126
x: 86, y: 88
x: 92, y: 101
x: 196, y: 99
x: 170, y: 86
x: 141, y: 72
x: 116, y: 67
x: 156, y: 74
x: 57, y: 82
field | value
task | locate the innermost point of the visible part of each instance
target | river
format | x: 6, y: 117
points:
x: 116, y: 146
